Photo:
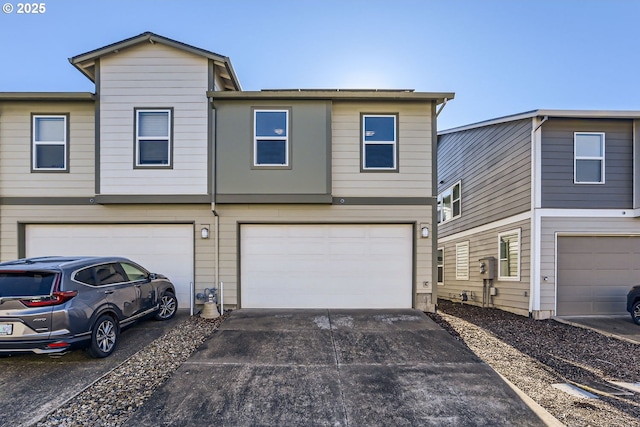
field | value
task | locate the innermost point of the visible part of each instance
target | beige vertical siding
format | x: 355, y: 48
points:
x: 16, y: 178
x: 153, y: 76
x: 414, y: 159
x: 512, y: 295
x: 232, y: 215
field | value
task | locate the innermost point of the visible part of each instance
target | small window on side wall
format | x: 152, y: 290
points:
x: 440, y: 264
x: 588, y: 158
x: 153, y: 137
x: 379, y: 142
x: 509, y: 255
x: 50, y: 143
x: 271, y: 138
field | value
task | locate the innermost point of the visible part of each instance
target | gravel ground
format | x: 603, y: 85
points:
x: 535, y: 354
x: 112, y: 399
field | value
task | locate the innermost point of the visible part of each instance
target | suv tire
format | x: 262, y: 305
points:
x: 635, y: 312
x: 104, y: 337
x: 168, y: 307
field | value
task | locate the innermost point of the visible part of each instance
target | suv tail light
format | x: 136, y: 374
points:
x: 56, y: 298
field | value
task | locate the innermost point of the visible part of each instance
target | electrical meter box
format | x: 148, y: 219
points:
x: 488, y: 267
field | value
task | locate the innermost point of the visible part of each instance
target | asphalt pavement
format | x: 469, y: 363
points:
x: 32, y: 385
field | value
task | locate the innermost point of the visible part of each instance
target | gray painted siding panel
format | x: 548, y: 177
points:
x: 309, y: 154
x: 494, y: 165
x: 558, y: 188
x: 512, y: 295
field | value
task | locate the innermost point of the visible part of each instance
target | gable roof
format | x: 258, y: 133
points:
x: 85, y: 62
x: 572, y: 114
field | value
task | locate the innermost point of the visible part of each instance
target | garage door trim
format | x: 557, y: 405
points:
x: 413, y: 224
x: 560, y: 234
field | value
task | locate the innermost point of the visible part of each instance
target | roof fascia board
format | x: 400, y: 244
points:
x: 47, y: 96
x: 346, y: 95
x: 572, y: 114
x: 151, y: 37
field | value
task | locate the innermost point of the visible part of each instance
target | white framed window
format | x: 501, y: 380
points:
x: 271, y: 143
x: 50, y: 142
x: 588, y: 158
x: 462, y: 261
x: 450, y: 203
x: 509, y: 255
x: 379, y: 142
x: 154, y: 128
x: 440, y: 265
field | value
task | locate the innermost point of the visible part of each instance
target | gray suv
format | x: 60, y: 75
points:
x: 54, y: 304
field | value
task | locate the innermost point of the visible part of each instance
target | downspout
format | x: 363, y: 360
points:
x: 534, y: 279
x: 216, y: 221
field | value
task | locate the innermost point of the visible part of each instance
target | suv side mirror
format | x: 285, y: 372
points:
x: 153, y: 276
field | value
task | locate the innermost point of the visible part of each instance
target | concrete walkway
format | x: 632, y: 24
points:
x: 333, y: 368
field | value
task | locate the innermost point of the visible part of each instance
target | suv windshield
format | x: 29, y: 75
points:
x: 26, y: 283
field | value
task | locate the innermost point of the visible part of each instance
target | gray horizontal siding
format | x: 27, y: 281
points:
x: 558, y: 188
x: 512, y: 295
x: 494, y: 165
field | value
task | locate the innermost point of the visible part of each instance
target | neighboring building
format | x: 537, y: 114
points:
x: 548, y: 202
x: 290, y: 198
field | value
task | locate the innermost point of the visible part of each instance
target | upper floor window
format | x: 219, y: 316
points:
x: 271, y: 138
x: 50, y: 143
x: 449, y: 202
x: 153, y: 137
x: 379, y: 142
x: 509, y: 256
x: 588, y: 158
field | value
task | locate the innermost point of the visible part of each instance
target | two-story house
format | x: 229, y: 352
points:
x: 538, y: 212
x: 322, y: 198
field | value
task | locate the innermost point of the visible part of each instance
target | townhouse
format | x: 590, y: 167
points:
x: 289, y: 198
x: 538, y: 212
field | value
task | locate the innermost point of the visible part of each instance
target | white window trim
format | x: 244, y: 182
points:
x: 169, y: 137
x: 576, y: 158
x: 394, y: 142
x: 462, y: 273
x: 516, y: 278
x: 270, y: 138
x: 440, y: 265
x: 440, y: 205
x: 64, y: 142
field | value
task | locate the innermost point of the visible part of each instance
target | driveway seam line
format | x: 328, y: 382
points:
x: 335, y: 352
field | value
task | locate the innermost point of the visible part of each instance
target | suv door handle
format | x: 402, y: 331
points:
x: 108, y: 292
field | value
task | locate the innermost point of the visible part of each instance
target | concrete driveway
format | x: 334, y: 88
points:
x: 333, y: 368
x: 617, y: 326
x: 33, y: 385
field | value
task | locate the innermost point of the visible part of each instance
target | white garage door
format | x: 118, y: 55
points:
x: 160, y: 248
x: 326, y: 266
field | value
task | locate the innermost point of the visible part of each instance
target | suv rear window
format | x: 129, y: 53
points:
x: 26, y: 283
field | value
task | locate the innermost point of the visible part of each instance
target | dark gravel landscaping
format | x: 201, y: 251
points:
x: 535, y: 354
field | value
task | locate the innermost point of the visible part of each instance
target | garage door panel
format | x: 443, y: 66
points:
x: 326, y: 266
x: 595, y: 273
x: 161, y: 248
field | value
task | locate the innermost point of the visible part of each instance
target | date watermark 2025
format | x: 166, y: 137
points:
x: 24, y: 8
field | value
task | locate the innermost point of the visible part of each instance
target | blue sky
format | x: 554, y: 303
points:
x: 500, y: 57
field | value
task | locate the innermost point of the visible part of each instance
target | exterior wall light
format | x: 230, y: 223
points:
x: 424, y: 231
x: 204, y: 232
